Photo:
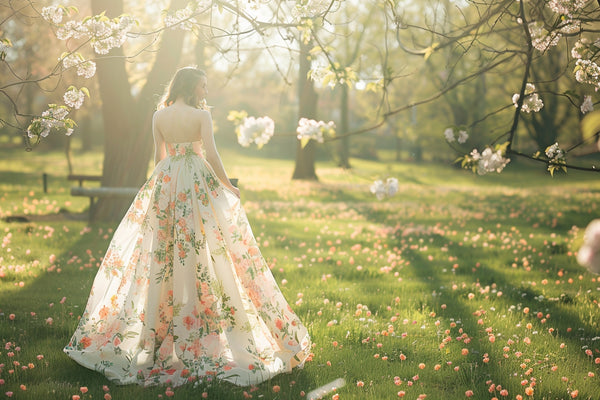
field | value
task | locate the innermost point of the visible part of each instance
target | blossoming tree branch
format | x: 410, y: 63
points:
x: 465, y: 43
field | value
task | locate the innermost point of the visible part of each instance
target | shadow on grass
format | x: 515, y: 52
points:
x: 562, y: 319
x: 20, y: 179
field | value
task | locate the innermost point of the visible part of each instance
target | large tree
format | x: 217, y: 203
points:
x: 127, y: 117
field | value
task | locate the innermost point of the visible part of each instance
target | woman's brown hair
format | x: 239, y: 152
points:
x: 183, y: 85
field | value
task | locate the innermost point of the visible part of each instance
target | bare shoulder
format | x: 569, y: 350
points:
x: 202, y: 118
x: 158, y: 114
x: 203, y: 115
x: 160, y: 111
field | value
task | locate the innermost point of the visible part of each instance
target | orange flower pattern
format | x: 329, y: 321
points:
x: 183, y: 292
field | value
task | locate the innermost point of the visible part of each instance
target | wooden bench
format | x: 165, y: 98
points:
x: 82, y: 178
x: 96, y: 192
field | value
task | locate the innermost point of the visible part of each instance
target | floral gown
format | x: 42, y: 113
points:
x: 183, y: 291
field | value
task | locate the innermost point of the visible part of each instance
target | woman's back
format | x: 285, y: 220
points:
x: 179, y: 123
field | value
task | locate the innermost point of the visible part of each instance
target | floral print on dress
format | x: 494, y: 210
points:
x: 183, y: 291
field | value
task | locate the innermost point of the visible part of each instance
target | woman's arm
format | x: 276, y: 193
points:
x: 212, y: 155
x: 159, y: 142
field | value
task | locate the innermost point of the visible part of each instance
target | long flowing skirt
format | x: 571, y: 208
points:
x: 183, y: 291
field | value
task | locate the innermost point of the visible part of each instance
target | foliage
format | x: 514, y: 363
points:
x: 464, y: 47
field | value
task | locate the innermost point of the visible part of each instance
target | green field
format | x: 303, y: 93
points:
x: 458, y: 285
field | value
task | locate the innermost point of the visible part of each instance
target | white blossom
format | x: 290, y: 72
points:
x: 257, y: 130
x: 181, y: 19
x: 541, y: 39
x: 449, y: 135
x: 378, y: 189
x: 74, y: 98
x: 125, y: 22
x: 96, y: 28
x: 66, y: 31
x: 532, y: 101
x: 589, y: 253
x: 587, y: 71
x: 56, y: 115
x: 103, y: 34
x: 383, y: 189
x: 554, y: 152
x: 52, y: 118
x: 391, y: 185
x: 587, y: 105
x: 570, y: 26
x: 85, y: 68
x: 579, y: 48
x: 53, y: 14
x: 566, y: 7
x: 489, y: 161
x: 71, y: 60
x: 323, y: 75
x: 311, y: 129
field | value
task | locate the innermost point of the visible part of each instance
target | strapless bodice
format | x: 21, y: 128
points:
x: 184, y: 149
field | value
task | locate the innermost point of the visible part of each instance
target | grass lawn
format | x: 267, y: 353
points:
x: 458, y: 286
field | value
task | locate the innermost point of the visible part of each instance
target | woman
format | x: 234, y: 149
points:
x: 183, y: 291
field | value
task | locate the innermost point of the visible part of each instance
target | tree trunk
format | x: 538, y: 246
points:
x: 128, y: 120
x: 117, y: 107
x: 305, y: 157
x: 85, y: 133
x: 344, y: 150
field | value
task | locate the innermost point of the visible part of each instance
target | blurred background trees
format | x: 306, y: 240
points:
x: 392, y: 75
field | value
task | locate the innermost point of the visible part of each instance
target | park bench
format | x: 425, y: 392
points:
x: 83, y: 178
x: 96, y: 192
